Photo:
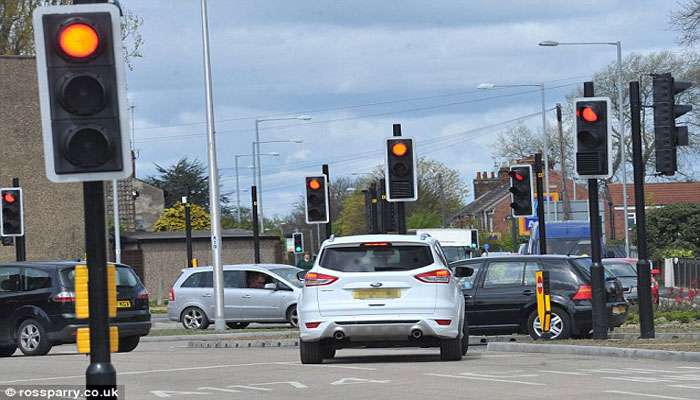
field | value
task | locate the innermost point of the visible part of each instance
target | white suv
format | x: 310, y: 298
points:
x: 381, y: 291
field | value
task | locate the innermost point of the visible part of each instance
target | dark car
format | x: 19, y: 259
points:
x: 37, y: 305
x: 500, y: 295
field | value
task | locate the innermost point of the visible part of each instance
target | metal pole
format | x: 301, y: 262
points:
x: 214, y: 206
x: 259, y: 171
x: 566, y: 205
x: 318, y: 237
x: 188, y: 231
x: 541, y: 217
x: 20, y: 241
x: 546, y: 152
x: 623, y: 150
x: 329, y: 225
x: 400, y: 205
x: 117, y: 230
x: 100, y: 372
x: 238, y: 191
x: 256, y: 232
x: 646, y: 311
x: 599, y: 307
x: 514, y: 233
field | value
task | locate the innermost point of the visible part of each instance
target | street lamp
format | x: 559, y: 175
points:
x: 257, y: 167
x: 238, y: 191
x: 544, y: 131
x: 621, y: 121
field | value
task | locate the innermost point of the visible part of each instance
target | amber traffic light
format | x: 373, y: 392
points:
x: 400, y: 170
x: 316, y: 200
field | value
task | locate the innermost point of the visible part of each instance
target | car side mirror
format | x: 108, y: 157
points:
x: 301, y: 275
x: 271, y: 286
x: 464, y: 272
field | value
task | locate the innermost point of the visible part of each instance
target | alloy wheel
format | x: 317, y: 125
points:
x: 30, y: 337
x: 193, y: 319
x: 556, y: 326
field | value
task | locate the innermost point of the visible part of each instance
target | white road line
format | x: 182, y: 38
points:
x: 564, y: 373
x: 641, y: 379
x: 324, y: 366
x: 605, y: 371
x: 651, y: 370
x: 478, y: 378
x: 689, y: 367
x: 656, y: 396
x: 686, y: 386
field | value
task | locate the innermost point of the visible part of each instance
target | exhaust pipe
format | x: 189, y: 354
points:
x: 416, y: 333
x: 339, y: 335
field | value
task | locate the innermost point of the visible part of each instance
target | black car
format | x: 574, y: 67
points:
x: 500, y: 295
x: 37, y: 305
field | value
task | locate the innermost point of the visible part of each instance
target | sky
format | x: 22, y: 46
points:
x: 358, y: 66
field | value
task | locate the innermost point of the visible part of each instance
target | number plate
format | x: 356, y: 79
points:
x: 619, y: 310
x: 123, y: 304
x: 363, y: 294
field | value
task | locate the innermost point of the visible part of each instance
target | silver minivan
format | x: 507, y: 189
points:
x: 252, y: 293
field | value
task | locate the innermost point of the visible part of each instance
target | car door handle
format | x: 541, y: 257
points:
x: 468, y: 296
x: 206, y: 295
x: 246, y: 296
x: 528, y: 292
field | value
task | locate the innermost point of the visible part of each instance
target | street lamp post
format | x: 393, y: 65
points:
x: 238, y: 190
x: 545, y: 150
x: 621, y: 122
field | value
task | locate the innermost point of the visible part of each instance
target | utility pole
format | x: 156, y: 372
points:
x: 400, y: 205
x: 541, y: 223
x: 600, y: 312
x: 188, y: 230
x: 256, y: 228
x: 646, y: 311
x: 562, y: 157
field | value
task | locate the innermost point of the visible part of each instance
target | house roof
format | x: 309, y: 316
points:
x: 180, y: 235
x: 659, y: 193
x: 485, y: 201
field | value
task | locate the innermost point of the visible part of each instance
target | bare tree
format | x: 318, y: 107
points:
x: 686, y: 21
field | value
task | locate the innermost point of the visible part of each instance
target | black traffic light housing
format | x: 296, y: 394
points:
x: 82, y: 92
x: 11, y: 212
x: 316, y: 200
x: 667, y: 135
x: 522, y: 192
x: 298, y: 239
x: 593, y: 142
x: 400, y: 171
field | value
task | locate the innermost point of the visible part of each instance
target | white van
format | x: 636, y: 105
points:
x: 458, y: 244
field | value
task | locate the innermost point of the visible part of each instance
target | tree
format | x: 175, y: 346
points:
x: 686, y: 21
x: 519, y: 142
x: 351, y: 219
x: 173, y: 218
x: 440, y: 190
x: 672, y: 228
x: 16, y: 28
x: 184, y: 178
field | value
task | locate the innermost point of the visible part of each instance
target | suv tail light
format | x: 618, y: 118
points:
x: 64, y: 297
x: 171, y: 295
x: 437, y: 276
x: 143, y: 295
x: 584, y: 292
x: 316, y: 279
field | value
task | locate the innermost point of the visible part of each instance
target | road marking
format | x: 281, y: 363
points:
x: 641, y: 379
x: 605, y: 371
x: 656, y: 396
x: 325, y: 366
x: 564, y: 373
x: 478, y: 378
x: 651, y: 370
x: 686, y: 386
x: 165, y: 394
x: 689, y: 367
x: 352, y: 381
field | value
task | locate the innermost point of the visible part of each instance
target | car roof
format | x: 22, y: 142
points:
x: 51, y: 264
x: 234, y: 267
x: 528, y: 257
x: 353, y: 239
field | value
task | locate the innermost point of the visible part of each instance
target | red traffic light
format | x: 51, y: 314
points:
x: 587, y: 114
x: 517, y: 176
x: 314, y: 184
x: 78, y: 40
x: 399, y: 149
x: 8, y: 198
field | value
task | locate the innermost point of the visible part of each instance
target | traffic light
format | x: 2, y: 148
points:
x: 11, y: 212
x: 82, y: 92
x: 400, y: 170
x: 593, y: 141
x: 667, y: 135
x: 298, y: 238
x: 316, y: 200
x: 522, y: 193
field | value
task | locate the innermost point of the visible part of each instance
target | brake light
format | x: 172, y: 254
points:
x: 437, y: 276
x: 171, y: 295
x: 143, y: 295
x: 584, y: 292
x: 375, y: 244
x: 443, y: 322
x: 64, y: 297
x: 312, y: 325
x: 317, y: 279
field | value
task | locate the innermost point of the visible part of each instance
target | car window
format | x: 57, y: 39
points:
x: 441, y: 254
x: 290, y: 274
x: 530, y: 268
x: 257, y: 280
x: 504, y: 273
x: 234, y: 279
x: 468, y: 282
x: 36, y: 279
x: 375, y: 258
x: 456, y: 253
x: 10, y: 279
x: 199, y: 280
x: 560, y: 274
x: 620, y: 269
x: 125, y: 277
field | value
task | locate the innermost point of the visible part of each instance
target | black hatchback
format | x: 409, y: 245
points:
x: 37, y: 305
x: 500, y: 295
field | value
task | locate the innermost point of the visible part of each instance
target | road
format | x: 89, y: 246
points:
x: 167, y: 370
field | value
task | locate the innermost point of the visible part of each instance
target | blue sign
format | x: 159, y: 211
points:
x: 486, y: 246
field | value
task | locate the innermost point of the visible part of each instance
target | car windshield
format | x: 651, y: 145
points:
x: 375, y: 258
x: 621, y: 269
x: 583, y: 264
x: 456, y: 253
x: 572, y: 247
x: 125, y: 277
x: 289, y: 274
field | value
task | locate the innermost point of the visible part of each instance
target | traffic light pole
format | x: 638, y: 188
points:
x: 188, y: 231
x: 256, y: 229
x: 329, y: 225
x: 400, y: 206
x: 20, y: 242
x: 100, y: 373
x: 541, y: 223
x: 599, y: 309
x: 646, y: 311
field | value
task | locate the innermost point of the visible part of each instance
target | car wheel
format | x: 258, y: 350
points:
x: 194, y: 318
x: 293, y: 316
x: 451, y: 349
x: 32, y: 339
x: 560, y: 326
x: 311, y: 352
x: 7, y: 351
x: 237, y: 325
x: 465, y: 337
x: 128, y: 344
x: 328, y: 351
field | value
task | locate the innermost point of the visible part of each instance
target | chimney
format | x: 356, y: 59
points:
x: 483, y: 183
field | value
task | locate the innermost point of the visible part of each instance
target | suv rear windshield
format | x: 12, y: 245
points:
x: 125, y: 277
x: 365, y: 258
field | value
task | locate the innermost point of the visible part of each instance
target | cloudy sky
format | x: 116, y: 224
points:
x: 358, y: 66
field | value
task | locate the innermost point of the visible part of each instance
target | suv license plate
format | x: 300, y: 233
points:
x: 363, y: 294
x: 123, y: 304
